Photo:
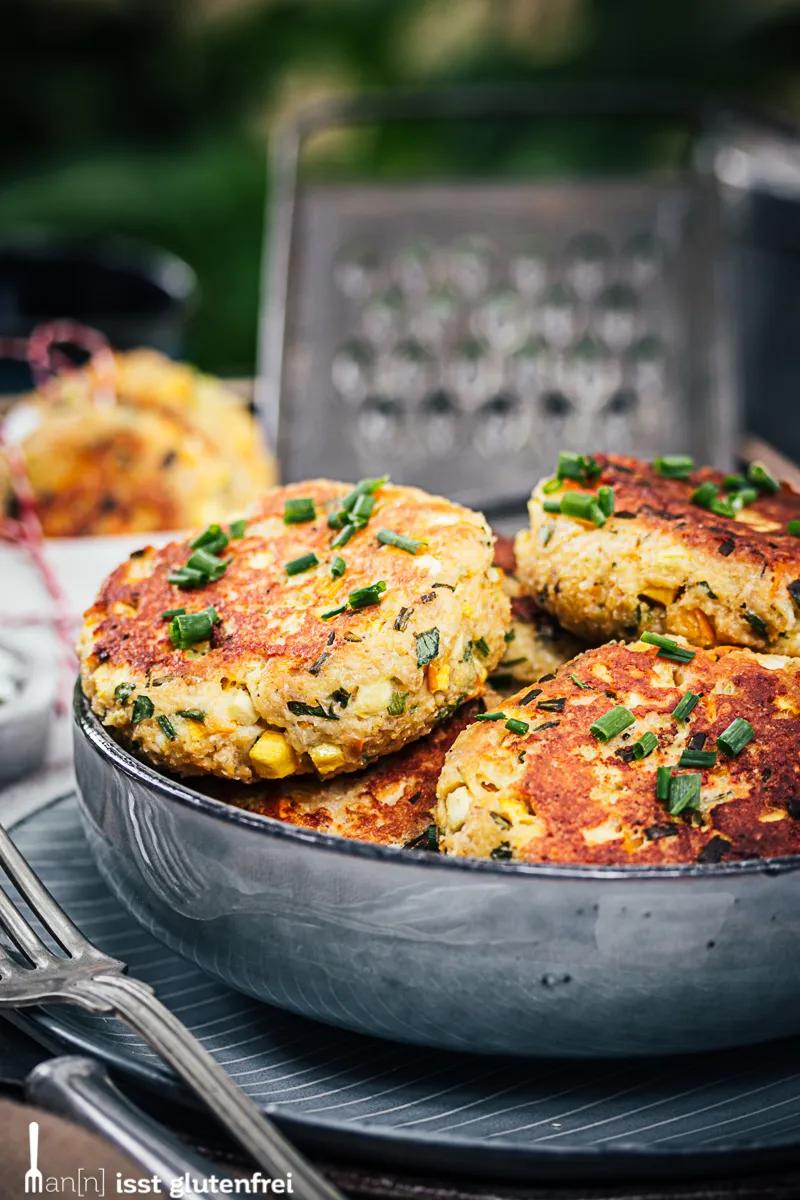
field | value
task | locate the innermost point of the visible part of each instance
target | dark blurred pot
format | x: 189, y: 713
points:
x: 135, y: 294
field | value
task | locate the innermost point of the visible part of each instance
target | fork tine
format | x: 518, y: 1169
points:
x: 21, y: 933
x: 31, y: 888
x: 7, y: 963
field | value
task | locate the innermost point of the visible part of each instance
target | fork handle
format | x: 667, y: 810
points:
x: 136, y: 1004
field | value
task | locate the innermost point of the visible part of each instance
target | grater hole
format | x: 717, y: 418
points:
x: 351, y: 370
x: 406, y: 371
x: 439, y: 420
x: 588, y: 256
x: 502, y: 426
x: 356, y: 271
x: 433, y: 316
x: 414, y: 268
x: 559, y: 316
x: 528, y: 270
x: 555, y: 404
x: 469, y: 265
x: 382, y: 316
x: 616, y: 315
x: 623, y: 403
x: 589, y: 372
x: 473, y: 372
x: 642, y: 256
x: 381, y: 422
x: 501, y: 320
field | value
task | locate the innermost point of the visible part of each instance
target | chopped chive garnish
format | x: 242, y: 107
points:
x: 668, y: 647
x: 793, y: 527
x: 605, y: 498
x: 579, y: 683
x: 341, y: 696
x: 757, y: 623
x: 338, y: 566
x: 397, y: 704
x: 300, y: 709
x: 733, y: 483
x: 698, y: 758
x: 333, y: 612
x: 663, y: 779
x: 551, y: 506
x: 298, y: 511
x: 187, y: 578
x: 402, y: 619
x: 582, y: 505
x: 388, y: 538
x: 362, y: 509
x: 723, y: 507
x: 167, y: 728
x: 491, y: 716
x: 518, y: 727
x: 556, y: 704
x: 645, y: 745
x: 365, y: 597
x: 734, y: 739
x: 744, y: 496
x: 502, y: 853
x: 191, y: 714
x: 581, y: 467
x: 482, y: 646
x: 365, y: 487
x: 674, y: 466
x: 143, y: 708
x: 684, y: 792
x: 427, y: 646
x: 212, y: 539
x: 123, y: 692
x: 550, y: 486
x: 704, y: 494
x: 187, y: 628
x: 211, y: 566
x: 509, y: 636
x: 612, y: 723
x: 169, y: 613
x: 304, y: 563
x: 759, y: 476
x: 237, y: 529
x: 343, y: 536
x: 685, y: 706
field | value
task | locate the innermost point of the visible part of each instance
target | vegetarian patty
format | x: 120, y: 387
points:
x: 662, y: 560
x: 536, y: 644
x: 389, y: 803
x: 556, y: 777
x: 171, y: 449
x: 341, y: 625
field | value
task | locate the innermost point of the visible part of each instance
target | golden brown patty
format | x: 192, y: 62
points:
x: 389, y: 803
x: 555, y: 793
x: 536, y: 644
x: 663, y: 563
x: 173, y: 449
x: 281, y: 688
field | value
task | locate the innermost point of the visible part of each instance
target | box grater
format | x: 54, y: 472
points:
x: 457, y: 335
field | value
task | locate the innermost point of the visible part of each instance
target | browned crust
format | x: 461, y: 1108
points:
x: 642, y: 494
x: 253, y: 602
x: 561, y: 757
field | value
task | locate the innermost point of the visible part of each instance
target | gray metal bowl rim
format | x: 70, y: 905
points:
x: 180, y: 793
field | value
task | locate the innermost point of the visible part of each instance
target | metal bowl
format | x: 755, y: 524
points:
x: 573, y: 961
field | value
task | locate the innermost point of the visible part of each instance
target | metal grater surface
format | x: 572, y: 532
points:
x: 458, y: 336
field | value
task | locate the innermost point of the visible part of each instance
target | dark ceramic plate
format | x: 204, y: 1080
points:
x: 419, y: 1108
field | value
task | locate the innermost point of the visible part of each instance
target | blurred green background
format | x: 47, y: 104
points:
x: 151, y: 118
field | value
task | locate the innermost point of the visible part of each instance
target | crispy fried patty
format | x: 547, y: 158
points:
x: 389, y: 803
x: 663, y: 563
x: 535, y: 643
x: 280, y: 687
x: 555, y: 793
x: 172, y: 449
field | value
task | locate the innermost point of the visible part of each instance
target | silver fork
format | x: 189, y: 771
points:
x: 83, y: 975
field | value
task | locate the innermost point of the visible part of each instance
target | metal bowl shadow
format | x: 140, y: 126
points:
x: 545, y: 960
